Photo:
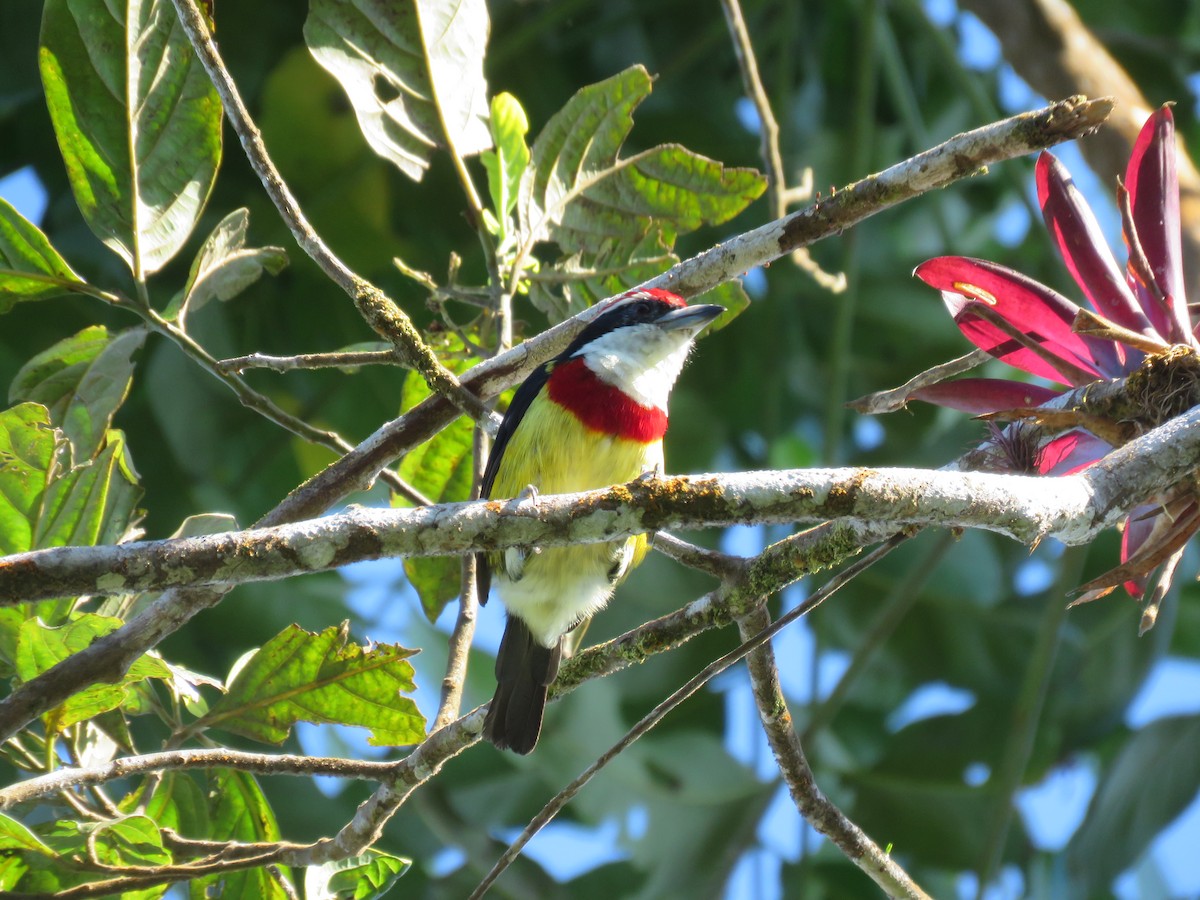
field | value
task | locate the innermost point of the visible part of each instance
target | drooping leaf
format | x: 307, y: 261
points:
x: 82, y: 380
x: 441, y: 469
x: 39, y: 647
x: 225, y: 266
x: 362, y: 877
x: 324, y: 678
x: 413, y: 71
x: 30, y: 269
x: 1152, y: 780
x: 607, y: 213
x: 137, y: 121
x: 239, y: 812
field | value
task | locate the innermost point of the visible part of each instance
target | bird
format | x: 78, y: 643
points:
x: 593, y: 416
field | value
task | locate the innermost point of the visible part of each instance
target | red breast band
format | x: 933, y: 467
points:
x: 603, y: 407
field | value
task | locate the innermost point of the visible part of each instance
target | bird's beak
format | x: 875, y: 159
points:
x: 689, y: 318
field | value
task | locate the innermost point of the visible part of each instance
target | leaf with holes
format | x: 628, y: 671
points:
x: 137, y: 121
x: 298, y: 676
x: 413, y: 70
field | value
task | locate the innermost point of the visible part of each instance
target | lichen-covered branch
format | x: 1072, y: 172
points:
x: 1072, y: 509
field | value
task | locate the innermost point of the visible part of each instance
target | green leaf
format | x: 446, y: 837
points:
x: 82, y: 380
x: 39, y: 647
x: 581, y: 195
x: 300, y: 676
x: 507, y: 163
x: 1150, y: 782
x: 15, y: 836
x: 30, y: 269
x: 413, y: 70
x: 28, y: 449
x: 134, y: 840
x: 238, y: 811
x: 441, y: 469
x: 362, y: 877
x: 137, y: 121
x: 225, y: 266
x: 92, y: 503
x: 178, y: 803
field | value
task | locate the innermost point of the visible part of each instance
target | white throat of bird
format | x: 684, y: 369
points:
x: 643, y: 361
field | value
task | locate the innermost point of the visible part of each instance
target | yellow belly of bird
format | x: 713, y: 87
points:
x: 555, y: 588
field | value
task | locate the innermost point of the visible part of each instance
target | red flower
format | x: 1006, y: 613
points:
x: 1033, y: 328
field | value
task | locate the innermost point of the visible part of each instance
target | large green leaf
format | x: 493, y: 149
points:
x: 413, y: 71
x: 299, y: 676
x: 30, y: 269
x: 1152, y: 780
x: 81, y: 380
x: 616, y: 219
x: 239, y: 812
x: 362, y: 877
x: 137, y: 120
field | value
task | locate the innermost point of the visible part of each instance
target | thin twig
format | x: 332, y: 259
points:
x: 458, y: 648
x: 178, y: 760
x: 779, y: 195
x: 898, y: 397
x: 714, y: 562
x: 342, y: 360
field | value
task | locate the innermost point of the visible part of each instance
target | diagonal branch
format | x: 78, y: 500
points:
x: 817, y: 809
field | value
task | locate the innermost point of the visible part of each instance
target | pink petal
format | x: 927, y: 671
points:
x: 1137, y: 528
x: 979, y: 396
x: 1154, y: 197
x: 1031, y: 308
x: 1080, y: 241
x: 1070, y: 452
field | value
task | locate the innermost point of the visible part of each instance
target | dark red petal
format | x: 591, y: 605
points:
x: 1041, y: 314
x: 1081, y: 243
x: 1137, y: 528
x: 979, y: 396
x: 1070, y: 452
x: 1154, y: 197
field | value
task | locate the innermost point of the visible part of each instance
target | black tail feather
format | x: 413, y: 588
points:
x: 524, y: 670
